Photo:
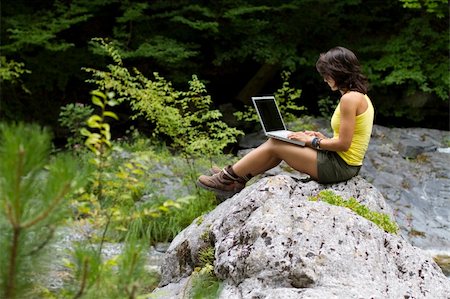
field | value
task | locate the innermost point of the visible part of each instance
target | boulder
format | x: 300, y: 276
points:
x: 270, y: 241
x: 410, y: 167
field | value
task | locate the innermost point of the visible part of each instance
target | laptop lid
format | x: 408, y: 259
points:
x: 269, y: 114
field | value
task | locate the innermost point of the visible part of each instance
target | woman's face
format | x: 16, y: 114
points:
x: 331, y: 83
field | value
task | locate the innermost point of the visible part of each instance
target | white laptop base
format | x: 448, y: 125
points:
x: 283, y: 135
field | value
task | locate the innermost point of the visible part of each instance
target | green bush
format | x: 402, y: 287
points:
x: 73, y: 117
x: 122, y: 276
x: 183, y: 117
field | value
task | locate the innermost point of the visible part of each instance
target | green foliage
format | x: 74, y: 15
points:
x: 183, y: 116
x: 169, y: 224
x: 380, y: 219
x: 151, y: 217
x: 201, y: 132
x: 122, y: 276
x: 216, y: 40
x: 286, y: 97
x: 98, y: 141
x: 99, y: 138
x: 326, y: 107
x: 415, y: 59
x: 253, y: 22
x: 437, y: 7
x: 33, y: 192
x: 38, y: 31
x: 116, y: 184
x: 11, y: 70
x: 73, y: 117
x: 204, y: 283
x: 131, y: 187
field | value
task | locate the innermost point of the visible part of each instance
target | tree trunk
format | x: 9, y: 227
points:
x: 265, y: 73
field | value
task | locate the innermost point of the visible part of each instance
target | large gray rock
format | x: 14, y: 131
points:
x: 411, y: 168
x: 272, y: 242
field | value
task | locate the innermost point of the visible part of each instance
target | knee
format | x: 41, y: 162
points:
x: 270, y: 143
x: 274, y: 145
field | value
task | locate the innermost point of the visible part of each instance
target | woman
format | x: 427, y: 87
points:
x: 326, y: 160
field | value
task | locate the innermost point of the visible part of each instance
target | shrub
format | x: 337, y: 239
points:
x: 73, y: 117
x: 184, y: 117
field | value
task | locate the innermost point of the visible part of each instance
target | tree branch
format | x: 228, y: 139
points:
x: 50, y: 208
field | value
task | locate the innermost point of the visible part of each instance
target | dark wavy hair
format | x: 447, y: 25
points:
x: 343, y: 67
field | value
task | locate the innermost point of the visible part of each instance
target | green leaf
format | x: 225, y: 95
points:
x: 112, y: 103
x: 94, y: 121
x: 110, y: 114
x: 96, y: 100
x: 93, y: 139
x: 85, y: 132
x: 99, y: 94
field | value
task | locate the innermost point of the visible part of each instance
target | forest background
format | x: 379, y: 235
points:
x: 236, y: 48
x: 145, y: 86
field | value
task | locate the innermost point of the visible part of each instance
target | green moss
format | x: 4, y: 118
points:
x: 444, y: 262
x: 205, y: 235
x: 199, y: 220
x: 380, y: 219
x: 205, y: 283
x: 206, y: 256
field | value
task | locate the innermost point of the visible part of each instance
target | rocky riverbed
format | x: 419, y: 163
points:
x: 411, y: 168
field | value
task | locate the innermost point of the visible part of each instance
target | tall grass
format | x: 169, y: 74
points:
x: 166, y: 227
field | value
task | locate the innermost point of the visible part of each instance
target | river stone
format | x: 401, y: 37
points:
x: 270, y: 241
x: 417, y: 189
x: 412, y: 147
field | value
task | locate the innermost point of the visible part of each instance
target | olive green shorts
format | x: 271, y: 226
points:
x: 331, y: 168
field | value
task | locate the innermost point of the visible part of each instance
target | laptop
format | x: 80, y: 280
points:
x: 271, y: 119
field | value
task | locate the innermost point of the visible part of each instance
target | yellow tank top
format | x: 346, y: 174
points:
x: 363, y: 129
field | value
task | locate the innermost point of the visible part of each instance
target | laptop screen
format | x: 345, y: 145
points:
x: 269, y: 114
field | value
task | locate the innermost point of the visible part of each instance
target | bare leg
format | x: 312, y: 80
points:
x: 272, y: 152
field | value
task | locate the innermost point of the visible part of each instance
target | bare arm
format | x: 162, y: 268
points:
x: 348, y: 109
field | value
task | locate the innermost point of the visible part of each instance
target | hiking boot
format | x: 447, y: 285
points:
x: 222, y: 182
x: 213, y: 170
